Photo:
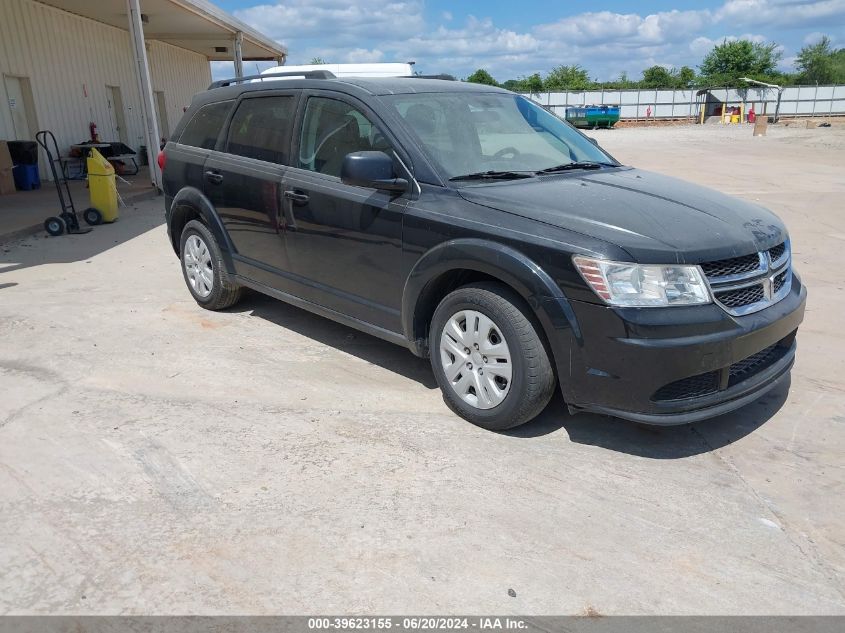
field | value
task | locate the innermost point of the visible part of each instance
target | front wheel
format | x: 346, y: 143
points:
x: 488, y: 358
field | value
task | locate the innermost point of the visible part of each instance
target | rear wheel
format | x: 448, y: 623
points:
x: 203, y: 268
x: 54, y: 226
x: 488, y: 357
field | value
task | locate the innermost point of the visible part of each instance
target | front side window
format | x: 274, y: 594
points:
x: 332, y: 129
x: 466, y: 133
x: 260, y: 128
x: 204, y: 128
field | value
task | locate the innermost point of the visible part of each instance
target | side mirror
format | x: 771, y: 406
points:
x: 371, y: 169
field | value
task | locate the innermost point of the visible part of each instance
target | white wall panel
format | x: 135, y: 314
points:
x: 70, y: 60
x: 802, y: 100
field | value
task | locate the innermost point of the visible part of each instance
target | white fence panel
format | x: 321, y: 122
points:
x: 679, y: 104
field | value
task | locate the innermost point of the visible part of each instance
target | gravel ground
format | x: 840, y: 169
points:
x: 156, y: 458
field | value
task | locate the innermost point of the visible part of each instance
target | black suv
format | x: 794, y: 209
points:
x: 472, y: 226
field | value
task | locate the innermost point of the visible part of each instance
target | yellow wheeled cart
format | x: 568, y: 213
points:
x: 102, y: 189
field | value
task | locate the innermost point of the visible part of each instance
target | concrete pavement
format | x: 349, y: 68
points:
x: 157, y: 458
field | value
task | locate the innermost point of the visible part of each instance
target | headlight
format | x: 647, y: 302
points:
x: 643, y: 285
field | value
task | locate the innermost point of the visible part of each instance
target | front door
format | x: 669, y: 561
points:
x: 243, y: 181
x: 116, y: 115
x: 21, y: 107
x: 344, y: 242
x: 161, y: 115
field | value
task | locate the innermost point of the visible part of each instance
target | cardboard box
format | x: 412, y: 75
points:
x: 7, y: 182
x: 7, y: 179
x: 5, y: 156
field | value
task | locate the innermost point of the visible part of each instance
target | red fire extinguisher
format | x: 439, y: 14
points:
x: 92, y: 128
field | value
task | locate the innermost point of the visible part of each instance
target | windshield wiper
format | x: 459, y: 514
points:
x: 585, y: 164
x: 494, y: 175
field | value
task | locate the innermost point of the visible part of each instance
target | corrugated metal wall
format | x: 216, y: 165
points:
x: 636, y: 104
x: 70, y: 61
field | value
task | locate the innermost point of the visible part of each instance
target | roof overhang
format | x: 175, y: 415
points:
x: 195, y: 25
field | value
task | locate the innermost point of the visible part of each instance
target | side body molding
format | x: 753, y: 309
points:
x: 189, y: 201
x: 529, y: 280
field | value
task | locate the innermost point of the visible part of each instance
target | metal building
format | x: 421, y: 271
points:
x: 128, y: 66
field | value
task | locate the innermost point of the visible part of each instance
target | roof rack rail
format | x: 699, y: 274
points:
x: 308, y: 74
x: 443, y: 76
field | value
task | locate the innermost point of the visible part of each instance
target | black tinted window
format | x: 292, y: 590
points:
x: 260, y: 128
x: 204, y: 128
x: 331, y: 130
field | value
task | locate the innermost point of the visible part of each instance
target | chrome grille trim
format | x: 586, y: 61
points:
x: 769, y: 275
x: 749, y: 274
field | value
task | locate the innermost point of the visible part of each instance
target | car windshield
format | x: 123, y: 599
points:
x: 479, y: 133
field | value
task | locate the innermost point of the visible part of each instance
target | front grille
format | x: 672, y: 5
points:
x: 777, y: 252
x: 778, y: 281
x: 755, y: 363
x: 732, y: 266
x: 692, y: 387
x: 741, y: 296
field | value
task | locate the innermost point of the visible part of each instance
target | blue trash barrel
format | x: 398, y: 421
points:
x: 26, y: 177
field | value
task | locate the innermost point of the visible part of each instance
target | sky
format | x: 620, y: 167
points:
x: 516, y: 38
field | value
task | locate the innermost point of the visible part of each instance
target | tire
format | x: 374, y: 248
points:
x: 203, y: 268
x: 505, y: 403
x: 92, y: 216
x: 54, y: 226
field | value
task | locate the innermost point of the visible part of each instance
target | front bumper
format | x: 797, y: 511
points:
x: 676, y: 365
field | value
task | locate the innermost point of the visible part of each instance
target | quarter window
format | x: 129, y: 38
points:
x: 204, y: 128
x: 332, y: 129
x: 260, y: 128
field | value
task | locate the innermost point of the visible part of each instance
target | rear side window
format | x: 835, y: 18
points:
x: 204, y: 128
x: 260, y: 129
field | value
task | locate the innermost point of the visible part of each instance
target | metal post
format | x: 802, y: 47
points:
x: 637, y: 117
x: 145, y: 89
x: 237, y: 47
x: 280, y: 61
x: 777, y: 105
x: 689, y: 112
x: 832, y: 98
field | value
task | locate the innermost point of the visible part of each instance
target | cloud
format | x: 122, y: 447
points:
x: 816, y: 36
x: 343, y: 21
x: 606, y: 27
x: 785, y: 13
x: 606, y: 42
x: 363, y: 55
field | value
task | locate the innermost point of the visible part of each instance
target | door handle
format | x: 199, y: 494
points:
x: 214, y: 177
x: 297, y: 196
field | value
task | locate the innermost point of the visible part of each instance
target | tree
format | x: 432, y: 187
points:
x: 729, y: 61
x: 567, y: 78
x: 657, y: 77
x: 532, y: 83
x: 317, y: 61
x: 685, y: 77
x: 819, y: 63
x: 481, y: 76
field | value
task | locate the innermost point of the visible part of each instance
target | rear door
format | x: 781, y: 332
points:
x: 344, y: 242
x: 196, y: 142
x: 243, y: 181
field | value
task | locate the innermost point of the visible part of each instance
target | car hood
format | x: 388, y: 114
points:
x: 654, y: 217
